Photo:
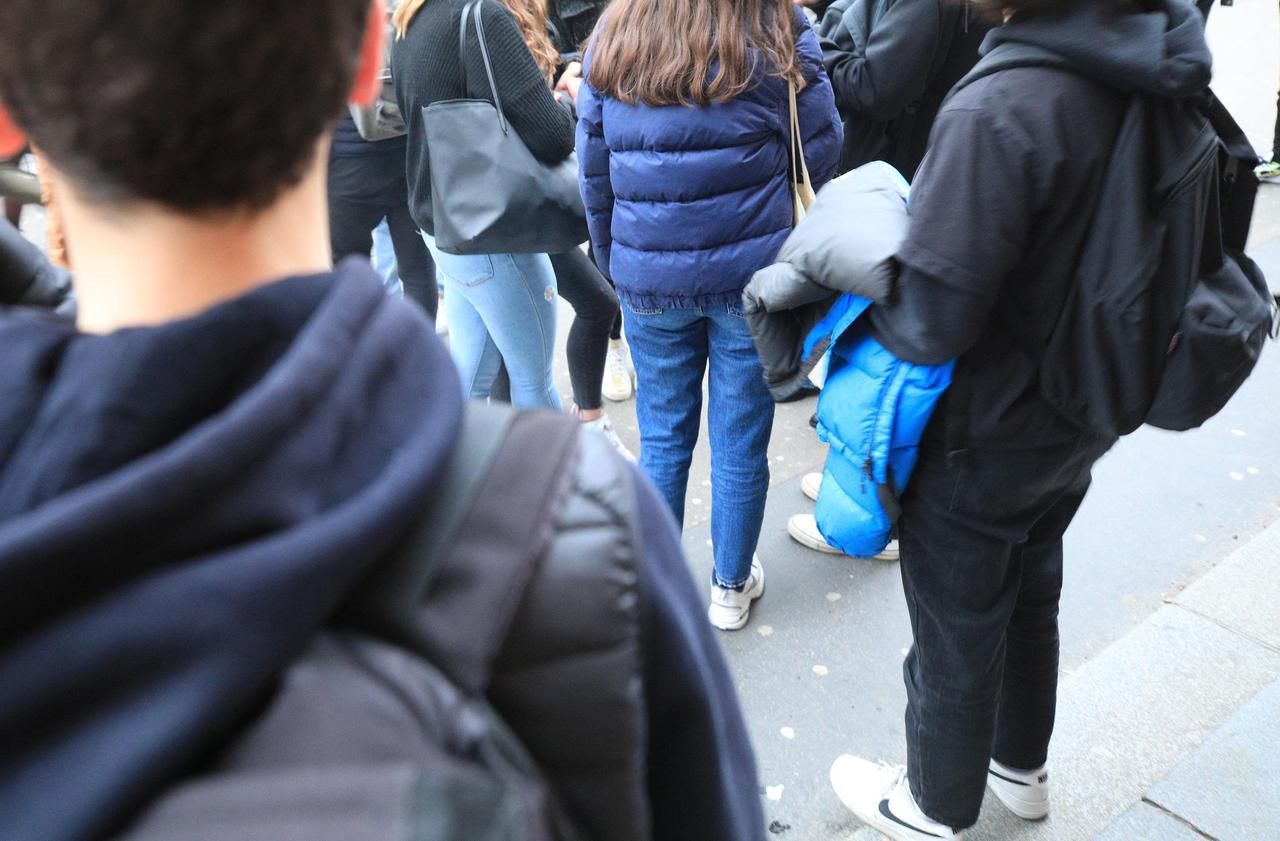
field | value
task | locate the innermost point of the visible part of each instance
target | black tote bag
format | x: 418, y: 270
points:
x: 489, y: 194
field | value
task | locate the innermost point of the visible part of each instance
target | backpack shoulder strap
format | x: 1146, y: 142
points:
x: 496, y: 552
x: 1007, y: 56
x: 450, y: 593
x: 395, y: 588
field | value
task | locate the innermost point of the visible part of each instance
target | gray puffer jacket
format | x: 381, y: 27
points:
x: 846, y: 244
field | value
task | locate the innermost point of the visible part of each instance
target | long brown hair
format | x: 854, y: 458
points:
x: 661, y: 52
x: 530, y: 15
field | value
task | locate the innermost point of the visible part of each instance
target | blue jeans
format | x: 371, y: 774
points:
x: 671, y: 349
x: 501, y: 307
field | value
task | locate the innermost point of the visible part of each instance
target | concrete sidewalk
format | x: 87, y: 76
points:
x: 1174, y: 730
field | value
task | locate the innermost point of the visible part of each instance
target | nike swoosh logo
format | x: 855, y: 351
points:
x: 1007, y: 780
x: 884, y: 810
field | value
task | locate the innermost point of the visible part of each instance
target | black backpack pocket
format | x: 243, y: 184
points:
x: 1218, y: 340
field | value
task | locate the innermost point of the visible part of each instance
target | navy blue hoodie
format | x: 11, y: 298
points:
x: 182, y: 509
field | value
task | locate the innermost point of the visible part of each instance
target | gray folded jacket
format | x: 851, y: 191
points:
x: 846, y: 244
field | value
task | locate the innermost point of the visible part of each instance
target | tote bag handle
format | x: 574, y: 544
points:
x: 801, y: 186
x: 473, y: 10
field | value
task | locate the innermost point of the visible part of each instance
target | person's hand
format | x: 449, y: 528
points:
x: 571, y: 80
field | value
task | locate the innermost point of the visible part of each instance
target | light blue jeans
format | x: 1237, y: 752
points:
x: 501, y: 307
x: 384, y: 260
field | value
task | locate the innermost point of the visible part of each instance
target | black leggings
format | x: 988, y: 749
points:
x: 596, y: 320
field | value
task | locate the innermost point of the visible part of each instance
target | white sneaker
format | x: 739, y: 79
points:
x: 605, y: 428
x: 619, y: 379
x: 1025, y: 793
x: 881, y: 797
x: 730, y: 609
x: 803, y: 528
x: 810, y: 485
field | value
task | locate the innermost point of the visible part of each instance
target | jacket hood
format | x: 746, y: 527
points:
x: 181, y: 509
x: 1151, y: 46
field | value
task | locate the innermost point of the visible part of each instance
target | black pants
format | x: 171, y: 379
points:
x: 596, y: 318
x: 595, y: 307
x: 364, y: 190
x: 981, y: 547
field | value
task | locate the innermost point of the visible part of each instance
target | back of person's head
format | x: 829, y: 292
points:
x: 664, y: 52
x: 530, y: 15
x: 194, y: 105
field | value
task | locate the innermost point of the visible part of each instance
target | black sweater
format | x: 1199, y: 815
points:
x: 427, y: 69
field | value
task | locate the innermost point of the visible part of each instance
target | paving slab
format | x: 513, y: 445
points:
x: 1229, y: 788
x: 1145, y: 822
x: 819, y: 668
x: 1253, y: 570
x: 1129, y: 716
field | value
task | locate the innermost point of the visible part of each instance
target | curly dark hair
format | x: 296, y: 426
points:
x: 198, y: 105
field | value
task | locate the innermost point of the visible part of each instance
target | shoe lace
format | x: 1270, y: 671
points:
x: 899, y: 774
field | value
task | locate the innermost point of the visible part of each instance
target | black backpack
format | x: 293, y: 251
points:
x: 382, y: 120
x: 1166, y: 316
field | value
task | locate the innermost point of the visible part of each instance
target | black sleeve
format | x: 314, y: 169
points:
x: 701, y: 768
x: 26, y: 275
x: 973, y: 206
x: 893, y: 71
x: 546, y: 126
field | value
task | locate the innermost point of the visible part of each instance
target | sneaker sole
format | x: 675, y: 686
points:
x: 1028, y: 810
x: 805, y: 539
x: 889, y: 556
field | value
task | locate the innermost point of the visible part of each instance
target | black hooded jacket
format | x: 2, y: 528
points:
x: 27, y: 278
x: 1002, y: 203
x: 892, y: 63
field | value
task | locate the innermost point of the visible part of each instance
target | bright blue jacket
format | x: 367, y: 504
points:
x: 686, y: 203
x: 873, y: 411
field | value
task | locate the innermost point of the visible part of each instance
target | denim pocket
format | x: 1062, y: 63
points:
x: 466, y: 269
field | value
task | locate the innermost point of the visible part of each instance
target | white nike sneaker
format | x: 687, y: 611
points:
x: 730, y: 609
x: 880, y: 796
x: 1025, y: 793
x: 810, y: 485
x: 803, y: 529
x: 619, y: 379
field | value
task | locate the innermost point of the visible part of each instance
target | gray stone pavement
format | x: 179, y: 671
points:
x: 1146, y: 684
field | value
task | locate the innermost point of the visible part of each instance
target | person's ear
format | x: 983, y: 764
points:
x: 11, y: 139
x: 368, y: 83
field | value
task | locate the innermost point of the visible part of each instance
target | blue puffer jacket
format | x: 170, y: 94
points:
x: 874, y: 406
x: 684, y: 204
x: 873, y: 411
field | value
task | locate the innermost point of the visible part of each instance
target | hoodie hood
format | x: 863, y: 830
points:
x: 1151, y: 46
x: 182, y: 508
